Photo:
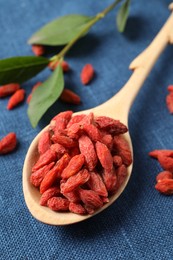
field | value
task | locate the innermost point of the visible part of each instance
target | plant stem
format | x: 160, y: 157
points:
x: 98, y: 17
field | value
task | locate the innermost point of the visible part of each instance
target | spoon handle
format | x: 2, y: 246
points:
x: 141, y: 67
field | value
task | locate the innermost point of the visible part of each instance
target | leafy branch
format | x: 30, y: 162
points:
x: 66, y: 30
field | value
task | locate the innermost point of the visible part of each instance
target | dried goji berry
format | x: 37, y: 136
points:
x: 111, y: 125
x: 75, y: 119
x: 169, y: 102
x: 68, y: 96
x: 34, y: 87
x: 156, y: 153
x: 8, y: 89
x: 74, y: 151
x: 58, y: 204
x: 75, y: 164
x: 87, y: 149
x: 170, y: 88
x: 16, y: 99
x: 87, y: 74
x: 72, y: 196
x: 90, y: 159
x: 61, y: 120
x: 66, y: 141
x: 75, y: 181
x: 110, y: 179
x: 38, y: 50
x: 8, y: 143
x: 54, y: 173
x: 89, y: 210
x: 77, y: 208
x: 122, y: 149
x: 96, y: 184
x: 121, y: 173
x: 90, y: 198
x: 107, y: 139
x: 37, y: 176
x: 74, y: 131
x: 165, y: 186
x: 44, y: 159
x: 59, y: 149
x: 164, y: 175
x: 44, y: 142
x: 117, y: 161
x: 88, y: 119
x: 92, y: 131
x: 166, y: 162
x: 104, y: 156
x: 54, y: 64
x: 51, y: 192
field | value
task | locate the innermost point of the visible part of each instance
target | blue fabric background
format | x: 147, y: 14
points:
x: 139, y: 225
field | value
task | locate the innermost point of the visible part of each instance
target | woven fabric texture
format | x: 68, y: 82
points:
x: 139, y: 224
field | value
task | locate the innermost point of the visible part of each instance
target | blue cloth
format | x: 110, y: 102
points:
x: 139, y: 224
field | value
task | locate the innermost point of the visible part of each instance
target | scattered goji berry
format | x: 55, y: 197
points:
x: 87, y: 74
x: 54, y: 64
x: 58, y: 204
x: 77, y: 208
x: 8, y: 143
x: 165, y: 186
x: 166, y: 162
x: 156, y: 153
x: 34, y: 87
x: 169, y: 102
x: 170, y: 88
x: 38, y: 50
x: 16, y: 99
x: 52, y: 192
x: 8, y: 89
x: 164, y: 175
x: 69, y: 96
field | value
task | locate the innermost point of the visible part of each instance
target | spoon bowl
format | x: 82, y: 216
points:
x: 118, y: 108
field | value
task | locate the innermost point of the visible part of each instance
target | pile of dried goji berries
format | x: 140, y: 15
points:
x: 83, y: 159
x: 165, y: 178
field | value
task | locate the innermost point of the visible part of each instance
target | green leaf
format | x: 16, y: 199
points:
x: 122, y: 16
x: 45, y: 95
x: 60, y: 31
x: 20, y: 69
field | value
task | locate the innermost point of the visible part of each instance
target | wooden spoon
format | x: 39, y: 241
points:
x: 118, y: 108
